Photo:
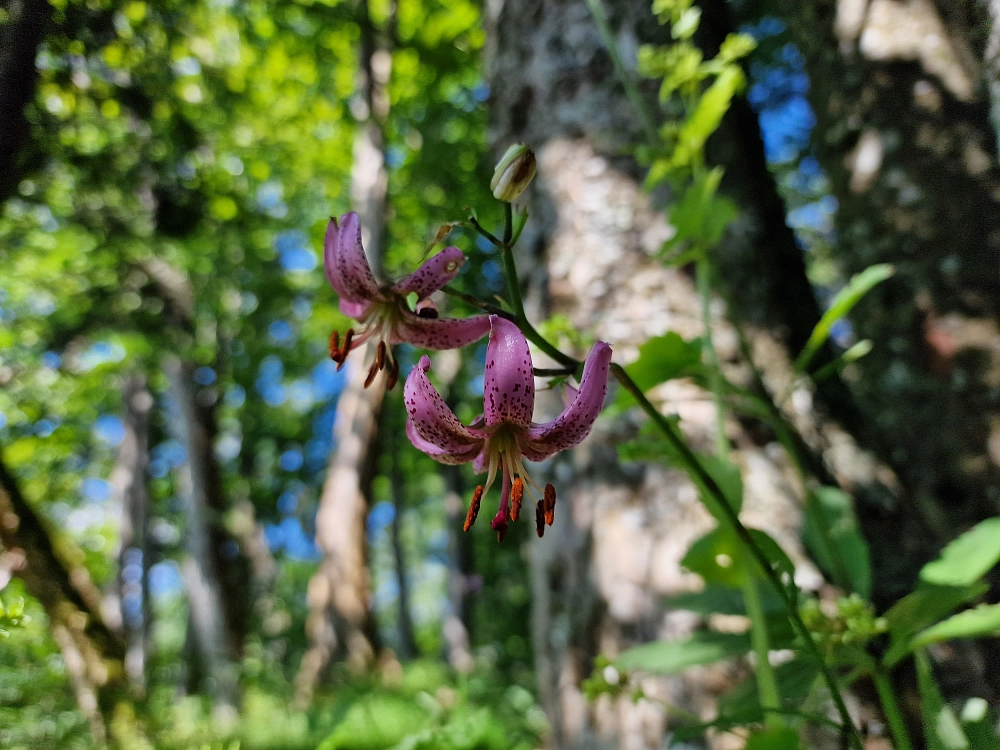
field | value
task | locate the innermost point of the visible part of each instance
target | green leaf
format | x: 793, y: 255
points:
x: 968, y: 558
x: 832, y: 536
x: 671, y: 657
x: 707, y: 115
x: 921, y: 608
x: 687, y: 24
x: 664, y: 358
x: 941, y: 727
x: 701, y: 216
x: 983, y: 620
x: 720, y: 558
x: 859, y: 285
x: 710, y: 600
x: 795, y: 680
x: 735, y: 46
x: 774, y: 738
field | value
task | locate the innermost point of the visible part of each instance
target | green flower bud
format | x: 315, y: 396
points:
x: 513, y: 173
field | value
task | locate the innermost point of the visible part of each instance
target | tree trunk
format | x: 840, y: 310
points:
x: 404, y: 622
x: 93, y: 654
x: 339, y: 592
x: 20, y: 36
x: 600, y: 573
x: 901, y: 92
x: 200, y: 569
x: 128, y: 479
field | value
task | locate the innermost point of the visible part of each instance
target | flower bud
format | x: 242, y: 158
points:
x: 513, y: 173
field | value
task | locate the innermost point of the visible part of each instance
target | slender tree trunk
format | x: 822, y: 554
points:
x: 456, y: 624
x: 93, y: 654
x: 407, y: 644
x: 20, y: 36
x: 200, y: 568
x: 339, y: 592
x: 128, y: 480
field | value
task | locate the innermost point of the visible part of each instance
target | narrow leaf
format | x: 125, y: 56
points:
x: 859, y: 285
x: 941, y: 727
x: 832, y: 536
x: 983, y: 620
x: 671, y: 657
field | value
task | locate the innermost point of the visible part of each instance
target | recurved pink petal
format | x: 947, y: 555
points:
x: 433, y: 421
x: 331, y: 267
x: 356, y: 276
x: 509, y: 383
x: 433, y: 274
x: 439, y: 455
x: 354, y: 310
x: 439, y: 333
x: 569, y: 428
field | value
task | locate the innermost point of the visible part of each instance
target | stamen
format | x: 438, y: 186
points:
x: 342, y: 354
x: 372, y: 372
x: 470, y: 517
x: 516, y: 496
x: 393, y: 375
x: 539, y: 521
x: 549, y: 504
x: 334, y: 344
x: 380, y: 355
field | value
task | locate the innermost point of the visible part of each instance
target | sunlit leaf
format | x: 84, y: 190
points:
x: 966, y: 559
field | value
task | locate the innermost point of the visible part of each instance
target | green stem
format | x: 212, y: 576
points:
x: 627, y: 81
x: 690, y: 463
x: 704, y: 272
x: 767, y: 684
x: 897, y: 725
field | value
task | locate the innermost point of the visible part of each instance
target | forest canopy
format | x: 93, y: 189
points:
x: 440, y: 374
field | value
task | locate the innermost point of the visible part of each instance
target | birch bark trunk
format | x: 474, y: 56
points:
x: 200, y: 570
x: 339, y: 592
x: 128, y: 480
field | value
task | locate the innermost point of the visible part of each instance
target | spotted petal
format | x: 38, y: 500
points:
x: 439, y: 455
x: 433, y: 274
x: 509, y: 383
x: 351, y: 270
x: 439, y: 333
x: 432, y: 419
x: 572, y: 426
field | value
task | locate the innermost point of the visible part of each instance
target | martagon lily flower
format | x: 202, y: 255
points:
x: 504, y: 435
x: 382, y: 309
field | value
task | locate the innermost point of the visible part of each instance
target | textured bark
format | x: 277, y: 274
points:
x: 92, y: 653
x: 600, y: 573
x: 902, y: 93
x: 339, y: 592
x: 203, y: 582
x: 20, y: 36
x: 404, y: 622
x: 128, y: 480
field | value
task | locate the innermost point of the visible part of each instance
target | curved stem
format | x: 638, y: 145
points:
x: 690, y: 463
x: 476, y: 302
x: 893, y: 716
x: 767, y: 684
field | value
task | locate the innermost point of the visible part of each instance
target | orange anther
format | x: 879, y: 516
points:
x: 516, y: 496
x: 539, y: 520
x: 549, y: 504
x: 334, y: 344
x: 470, y: 517
x: 372, y: 372
x: 393, y: 375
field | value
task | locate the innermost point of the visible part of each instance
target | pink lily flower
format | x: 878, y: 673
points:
x: 504, y: 435
x: 382, y: 310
